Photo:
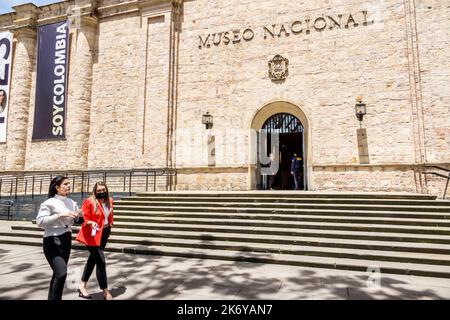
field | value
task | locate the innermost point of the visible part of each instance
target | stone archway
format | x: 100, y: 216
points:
x: 259, y: 118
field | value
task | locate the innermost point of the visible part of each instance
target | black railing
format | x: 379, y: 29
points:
x: 5, y: 208
x: 439, y: 174
x: 125, y: 181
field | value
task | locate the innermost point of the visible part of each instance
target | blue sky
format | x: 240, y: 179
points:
x: 5, y: 5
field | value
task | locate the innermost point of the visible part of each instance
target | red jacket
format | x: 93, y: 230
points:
x: 84, y: 235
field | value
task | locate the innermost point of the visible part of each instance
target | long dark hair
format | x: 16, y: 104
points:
x: 94, y: 192
x: 56, y: 182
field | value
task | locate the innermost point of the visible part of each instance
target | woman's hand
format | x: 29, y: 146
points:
x: 70, y: 214
x: 92, y: 224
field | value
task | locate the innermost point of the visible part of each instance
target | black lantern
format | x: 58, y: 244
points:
x: 360, y: 108
x: 207, y: 120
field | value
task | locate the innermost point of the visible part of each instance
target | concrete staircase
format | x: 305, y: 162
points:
x: 396, y: 233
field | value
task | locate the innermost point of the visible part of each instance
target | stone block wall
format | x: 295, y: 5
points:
x: 360, y: 179
x: 115, y: 101
x: 433, y: 32
x: 135, y: 74
x: 328, y: 70
x: 231, y: 179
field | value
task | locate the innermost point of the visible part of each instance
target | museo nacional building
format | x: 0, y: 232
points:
x: 360, y: 90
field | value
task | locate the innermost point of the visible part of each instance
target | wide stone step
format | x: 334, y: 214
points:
x: 127, y: 230
x: 250, y: 200
x: 270, y: 232
x: 418, y: 269
x: 238, y: 219
x: 349, y: 253
x: 287, y: 215
x: 268, y: 225
x: 288, y: 194
x: 330, y: 210
x: 122, y: 204
x: 268, y: 228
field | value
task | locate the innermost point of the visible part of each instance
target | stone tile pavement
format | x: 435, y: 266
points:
x: 25, y: 274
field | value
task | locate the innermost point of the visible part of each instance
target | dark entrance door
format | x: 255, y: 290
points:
x: 290, y: 132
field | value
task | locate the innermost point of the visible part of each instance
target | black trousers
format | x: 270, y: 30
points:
x: 97, y: 258
x: 270, y: 181
x: 57, y: 252
x: 298, y: 180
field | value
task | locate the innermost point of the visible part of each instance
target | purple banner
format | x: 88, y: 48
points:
x: 51, y: 82
x: 5, y: 79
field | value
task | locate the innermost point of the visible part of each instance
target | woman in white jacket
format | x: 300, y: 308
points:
x: 56, y: 216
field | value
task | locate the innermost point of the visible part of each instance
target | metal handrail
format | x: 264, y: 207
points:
x: 15, y: 182
x: 437, y: 167
x: 439, y: 175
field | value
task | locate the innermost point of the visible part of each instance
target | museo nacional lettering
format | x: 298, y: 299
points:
x: 297, y: 27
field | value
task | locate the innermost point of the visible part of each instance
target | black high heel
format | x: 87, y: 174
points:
x: 81, y: 295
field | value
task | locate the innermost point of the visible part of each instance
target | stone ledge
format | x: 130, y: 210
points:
x: 377, y: 165
x: 189, y: 170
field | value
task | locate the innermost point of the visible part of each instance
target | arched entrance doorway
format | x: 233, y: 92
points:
x: 283, y: 140
x: 279, y: 129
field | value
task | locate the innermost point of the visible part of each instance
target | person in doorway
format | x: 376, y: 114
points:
x: 56, y: 216
x: 269, y: 172
x: 94, y: 233
x: 296, y: 167
x: 272, y: 171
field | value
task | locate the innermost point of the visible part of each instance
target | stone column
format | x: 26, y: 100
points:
x: 84, y: 30
x: 25, y: 37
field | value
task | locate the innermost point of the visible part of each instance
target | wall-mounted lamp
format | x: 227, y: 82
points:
x: 360, y: 108
x: 207, y: 120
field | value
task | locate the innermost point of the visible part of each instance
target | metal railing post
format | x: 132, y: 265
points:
x: 146, y: 181
x: 32, y: 187
x: 82, y: 184
x: 154, y: 181
x: 129, y: 184
x: 17, y: 183
x: 446, y: 186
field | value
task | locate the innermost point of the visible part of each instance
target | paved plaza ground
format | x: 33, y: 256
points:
x: 25, y: 274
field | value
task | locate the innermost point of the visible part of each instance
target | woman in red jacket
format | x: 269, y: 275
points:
x: 94, y: 233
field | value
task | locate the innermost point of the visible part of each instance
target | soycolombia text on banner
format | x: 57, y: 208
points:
x: 51, y: 82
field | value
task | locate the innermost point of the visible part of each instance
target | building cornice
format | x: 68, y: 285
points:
x: 32, y: 15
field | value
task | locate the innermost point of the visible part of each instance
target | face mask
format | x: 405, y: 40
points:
x: 101, y: 195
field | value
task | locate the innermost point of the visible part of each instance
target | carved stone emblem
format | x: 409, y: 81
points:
x: 278, y: 68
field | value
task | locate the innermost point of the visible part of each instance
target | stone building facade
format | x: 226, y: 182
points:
x: 143, y: 72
